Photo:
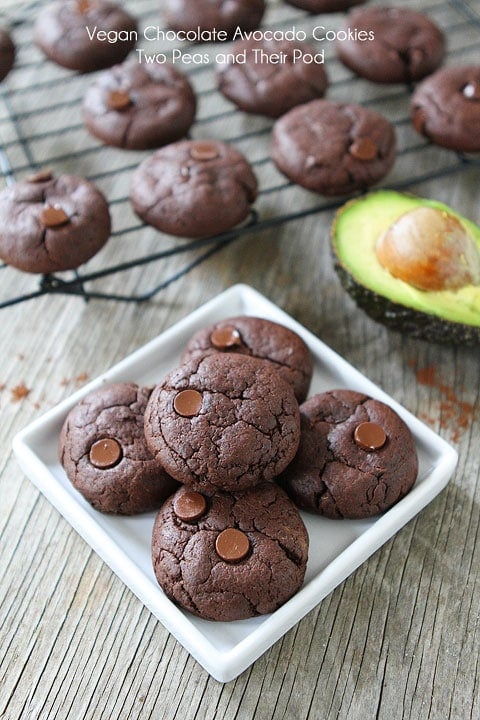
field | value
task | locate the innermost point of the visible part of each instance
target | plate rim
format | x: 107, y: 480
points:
x: 226, y: 665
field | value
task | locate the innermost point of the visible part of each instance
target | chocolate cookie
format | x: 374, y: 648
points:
x: 271, y: 86
x: 356, y: 458
x: 7, y: 53
x: 446, y: 108
x: 406, y: 46
x: 282, y: 348
x: 223, y: 421
x: 213, y: 15
x: 61, y: 33
x: 48, y: 224
x: 333, y: 148
x: 138, y: 106
x: 230, y: 556
x: 324, y: 6
x: 103, y: 450
x: 194, y: 188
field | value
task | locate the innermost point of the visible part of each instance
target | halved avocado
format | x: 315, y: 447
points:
x: 445, y: 316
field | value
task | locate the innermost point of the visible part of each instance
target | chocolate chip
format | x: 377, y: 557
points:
x: 188, y: 403
x: 83, y: 6
x: 52, y: 217
x: 105, y: 453
x: 415, y: 57
x: 118, y: 100
x: 472, y: 90
x: 225, y: 337
x: 363, y: 149
x: 419, y: 120
x: 41, y: 176
x: 204, y: 151
x: 189, y: 506
x: 232, y: 545
x: 369, y: 436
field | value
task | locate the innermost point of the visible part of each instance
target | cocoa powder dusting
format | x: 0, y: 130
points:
x: 454, y: 414
x: 78, y: 380
x: 19, y: 392
x: 427, y: 376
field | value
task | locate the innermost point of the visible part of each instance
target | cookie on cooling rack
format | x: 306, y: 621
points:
x: 218, y: 15
x: 137, y: 106
x: 194, y: 188
x: 406, y: 45
x: 49, y: 223
x: 60, y: 32
x: 333, y: 148
x: 223, y: 422
x: 271, y: 88
x: 275, y: 344
x: 7, y: 53
x: 356, y: 458
x: 231, y: 555
x: 103, y: 450
x: 445, y: 108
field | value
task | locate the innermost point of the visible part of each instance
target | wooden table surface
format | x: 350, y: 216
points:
x: 400, y: 637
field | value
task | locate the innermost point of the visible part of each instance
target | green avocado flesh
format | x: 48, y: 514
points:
x: 440, y: 315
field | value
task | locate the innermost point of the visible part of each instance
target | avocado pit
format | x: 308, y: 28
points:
x: 430, y: 249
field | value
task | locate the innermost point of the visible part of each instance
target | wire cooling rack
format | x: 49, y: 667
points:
x: 41, y: 127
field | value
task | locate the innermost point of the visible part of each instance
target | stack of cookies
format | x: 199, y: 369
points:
x: 231, y: 425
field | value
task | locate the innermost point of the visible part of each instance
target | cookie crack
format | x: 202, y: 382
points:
x: 181, y: 582
x: 438, y: 108
x: 289, y: 554
x: 330, y: 419
x: 179, y: 459
x: 126, y: 131
x: 371, y: 490
x: 276, y: 362
x: 249, y: 191
x: 404, y: 55
x: 343, y: 461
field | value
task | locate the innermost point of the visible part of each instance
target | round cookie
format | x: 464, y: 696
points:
x: 324, y: 6
x: 60, y: 32
x: 333, y: 148
x: 213, y: 15
x: 194, y: 188
x: 445, y: 108
x: 138, y: 106
x: 230, y: 556
x: 103, y: 450
x: 356, y: 458
x: 48, y: 223
x: 406, y: 47
x: 7, y: 53
x: 223, y: 421
x: 282, y: 348
x: 270, y: 88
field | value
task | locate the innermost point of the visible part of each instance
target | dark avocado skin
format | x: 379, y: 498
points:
x: 406, y: 320
x: 397, y: 316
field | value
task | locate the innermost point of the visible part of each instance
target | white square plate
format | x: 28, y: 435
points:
x: 226, y: 649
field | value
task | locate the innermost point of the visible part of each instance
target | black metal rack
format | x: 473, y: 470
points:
x: 67, y: 147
